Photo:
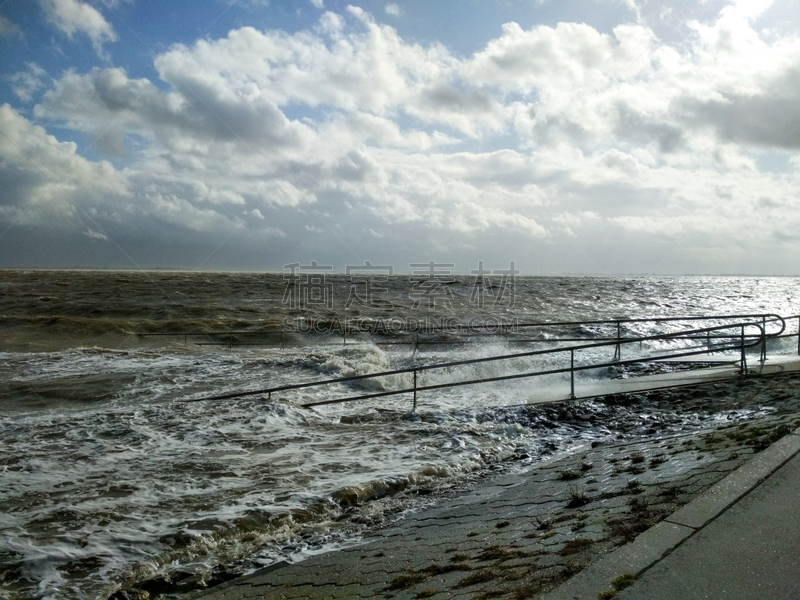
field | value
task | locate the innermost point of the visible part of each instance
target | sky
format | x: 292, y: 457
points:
x: 608, y: 137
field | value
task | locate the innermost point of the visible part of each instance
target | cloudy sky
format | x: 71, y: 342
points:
x: 613, y: 136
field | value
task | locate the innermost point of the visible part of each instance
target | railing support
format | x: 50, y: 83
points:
x: 798, y: 335
x: 618, y: 349
x: 763, y: 340
x: 744, y: 357
x: 572, y: 374
x: 414, y: 409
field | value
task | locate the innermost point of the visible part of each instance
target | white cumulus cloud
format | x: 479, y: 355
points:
x: 73, y: 16
x: 26, y: 83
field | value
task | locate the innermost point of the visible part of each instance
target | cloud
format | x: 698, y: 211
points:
x: 96, y: 235
x: 249, y: 3
x: 108, y: 104
x: 9, y: 29
x: 748, y: 9
x: 769, y: 117
x: 364, y: 66
x: 26, y: 83
x: 634, y: 7
x: 637, y: 127
x: 42, y: 177
x: 570, y: 54
x: 318, y: 3
x: 392, y: 9
x: 542, y: 137
x: 73, y: 16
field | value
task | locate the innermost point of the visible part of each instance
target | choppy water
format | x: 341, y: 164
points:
x: 109, y: 479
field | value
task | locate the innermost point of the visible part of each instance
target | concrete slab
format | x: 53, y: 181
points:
x: 767, y: 483
x: 750, y: 551
x: 705, y: 508
x: 645, y: 550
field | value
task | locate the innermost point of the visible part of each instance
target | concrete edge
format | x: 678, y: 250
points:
x: 720, y: 496
x: 661, y: 539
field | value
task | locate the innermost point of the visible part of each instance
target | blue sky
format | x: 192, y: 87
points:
x: 622, y: 136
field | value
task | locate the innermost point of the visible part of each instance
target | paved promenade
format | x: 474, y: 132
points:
x: 739, y: 540
x: 751, y: 551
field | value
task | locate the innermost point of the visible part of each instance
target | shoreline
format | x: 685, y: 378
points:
x: 591, y: 502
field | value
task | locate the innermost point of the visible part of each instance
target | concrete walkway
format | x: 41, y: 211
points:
x: 739, y: 540
x: 751, y: 551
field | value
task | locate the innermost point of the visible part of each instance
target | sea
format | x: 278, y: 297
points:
x: 118, y: 467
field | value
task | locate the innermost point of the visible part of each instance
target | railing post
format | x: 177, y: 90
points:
x: 414, y: 409
x: 798, y: 335
x: 744, y: 358
x: 572, y: 374
x: 618, y: 350
x: 763, y: 340
x: 344, y: 337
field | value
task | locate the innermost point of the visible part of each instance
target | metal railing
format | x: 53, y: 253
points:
x: 744, y: 341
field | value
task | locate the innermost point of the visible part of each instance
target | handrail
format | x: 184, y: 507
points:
x: 761, y: 340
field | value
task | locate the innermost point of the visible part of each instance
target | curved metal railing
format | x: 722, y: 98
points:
x: 744, y: 341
